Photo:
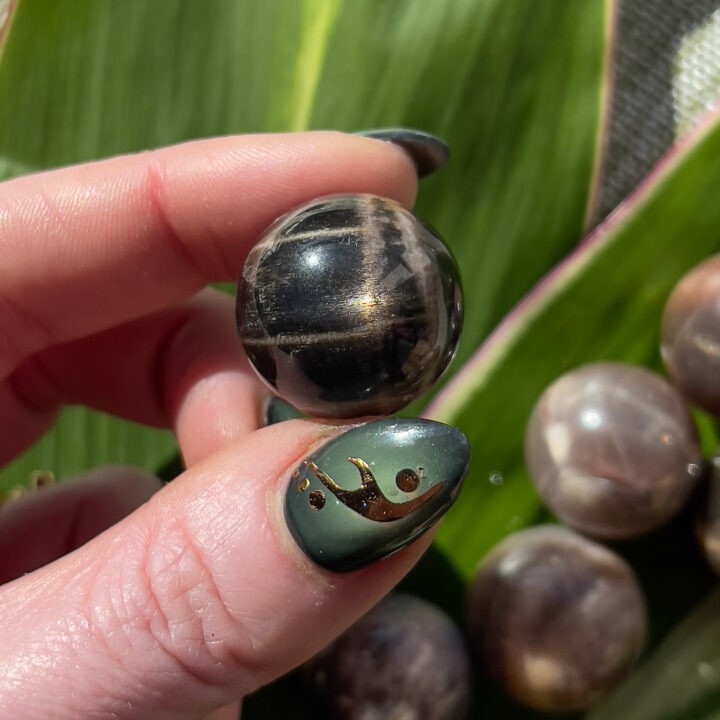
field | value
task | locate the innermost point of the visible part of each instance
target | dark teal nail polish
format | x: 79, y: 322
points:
x: 373, y: 490
x: 277, y: 411
x: 428, y: 152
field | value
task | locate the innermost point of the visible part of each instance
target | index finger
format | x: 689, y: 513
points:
x: 85, y: 248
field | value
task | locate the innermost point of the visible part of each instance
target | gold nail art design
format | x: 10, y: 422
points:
x: 369, y: 500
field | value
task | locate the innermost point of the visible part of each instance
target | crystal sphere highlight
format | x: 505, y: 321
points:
x: 350, y: 306
x: 612, y: 450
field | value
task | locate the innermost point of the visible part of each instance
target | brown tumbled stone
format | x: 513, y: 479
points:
x: 557, y: 619
x: 612, y: 450
x: 691, y: 335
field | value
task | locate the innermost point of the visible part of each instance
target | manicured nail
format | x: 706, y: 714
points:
x: 277, y: 411
x: 373, y: 490
x: 428, y: 152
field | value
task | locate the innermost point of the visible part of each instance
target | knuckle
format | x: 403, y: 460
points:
x: 164, y: 614
x: 207, y: 261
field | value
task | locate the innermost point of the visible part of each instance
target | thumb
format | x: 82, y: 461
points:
x: 239, y: 570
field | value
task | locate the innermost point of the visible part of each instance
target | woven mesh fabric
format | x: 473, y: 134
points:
x: 666, y: 75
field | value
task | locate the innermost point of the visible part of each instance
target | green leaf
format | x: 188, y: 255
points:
x: 603, y: 303
x: 680, y: 680
x: 82, y: 439
x: 514, y: 86
x: 484, y: 76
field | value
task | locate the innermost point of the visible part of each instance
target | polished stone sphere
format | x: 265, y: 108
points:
x: 405, y: 659
x: 556, y: 619
x: 690, y: 343
x: 349, y: 306
x: 612, y: 450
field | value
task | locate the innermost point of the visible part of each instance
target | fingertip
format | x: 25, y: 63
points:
x: 212, y: 395
x: 300, y: 166
x: 391, y: 167
x: 204, y: 593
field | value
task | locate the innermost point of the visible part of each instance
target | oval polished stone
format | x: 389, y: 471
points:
x: 557, y: 619
x: 612, y: 450
x: 690, y: 343
x: 350, y: 306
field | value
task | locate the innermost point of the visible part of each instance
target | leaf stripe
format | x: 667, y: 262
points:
x: 319, y: 18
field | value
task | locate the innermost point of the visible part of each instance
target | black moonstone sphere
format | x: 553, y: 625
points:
x: 349, y: 306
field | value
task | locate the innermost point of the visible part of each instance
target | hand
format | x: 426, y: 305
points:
x: 140, y: 602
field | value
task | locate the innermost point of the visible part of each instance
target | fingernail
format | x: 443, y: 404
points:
x: 428, y: 152
x: 277, y: 411
x: 373, y: 490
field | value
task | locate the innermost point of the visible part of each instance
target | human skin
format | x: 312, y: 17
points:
x: 195, y: 594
